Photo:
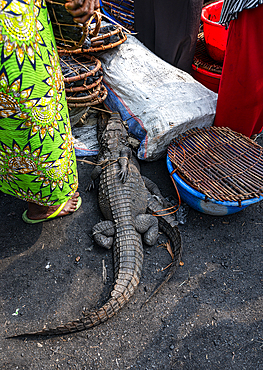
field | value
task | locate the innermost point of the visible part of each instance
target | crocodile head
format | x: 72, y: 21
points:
x: 115, y: 135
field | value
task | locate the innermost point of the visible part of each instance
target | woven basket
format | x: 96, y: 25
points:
x: 70, y: 35
x: 219, y: 163
x: 81, y: 72
x: 108, y: 37
x: 83, y: 79
x: 100, y: 38
x: 84, y: 96
x: 121, y: 10
x: 202, y: 58
x: 94, y: 98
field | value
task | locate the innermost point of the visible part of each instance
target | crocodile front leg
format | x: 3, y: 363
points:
x: 103, y: 233
x: 147, y: 225
x: 94, y: 175
x: 125, y: 156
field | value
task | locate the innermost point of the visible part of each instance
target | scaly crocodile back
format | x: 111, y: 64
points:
x: 121, y: 202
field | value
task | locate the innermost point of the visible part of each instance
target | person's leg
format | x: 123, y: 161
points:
x: 37, y: 212
x: 239, y: 105
x: 37, y: 158
x: 144, y: 22
x: 177, y: 24
x: 169, y: 28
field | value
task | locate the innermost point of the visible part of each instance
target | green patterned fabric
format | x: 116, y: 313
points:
x: 37, y: 158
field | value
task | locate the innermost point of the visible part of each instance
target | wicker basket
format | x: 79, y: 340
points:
x: 92, y: 99
x: 80, y: 72
x: 83, y: 79
x: 100, y: 38
x: 70, y: 35
x: 120, y: 10
x: 202, y: 59
x: 108, y: 37
x: 221, y: 164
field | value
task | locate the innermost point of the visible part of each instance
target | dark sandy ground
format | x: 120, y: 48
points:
x: 208, y: 316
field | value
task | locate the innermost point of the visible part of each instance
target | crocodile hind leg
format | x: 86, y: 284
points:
x: 103, y: 233
x: 147, y: 225
x: 155, y: 191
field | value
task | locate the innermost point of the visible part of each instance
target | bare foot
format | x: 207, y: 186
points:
x: 37, y: 212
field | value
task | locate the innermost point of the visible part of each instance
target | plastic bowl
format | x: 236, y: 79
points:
x: 215, y: 34
x: 208, y: 79
x: 197, y: 200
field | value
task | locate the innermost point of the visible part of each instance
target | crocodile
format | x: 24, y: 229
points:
x: 124, y: 198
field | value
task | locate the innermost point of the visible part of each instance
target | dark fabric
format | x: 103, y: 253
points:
x: 240, y: 95
x: 169, y: 28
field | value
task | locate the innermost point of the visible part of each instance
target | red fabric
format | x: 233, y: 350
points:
x: 240, y: 95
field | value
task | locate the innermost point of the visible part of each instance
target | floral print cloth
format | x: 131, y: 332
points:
x: 37, y: 158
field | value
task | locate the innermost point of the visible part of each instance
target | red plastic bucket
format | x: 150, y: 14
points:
x: 214, y: 33
x: 208, y: 79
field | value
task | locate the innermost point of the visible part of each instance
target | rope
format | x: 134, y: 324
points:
x: 166, y: 209
x: 103, y: 162
x: 116, y: 160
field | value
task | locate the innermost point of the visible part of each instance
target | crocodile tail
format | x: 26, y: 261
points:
x: 167, y: 224
x: 122, y: 292
x: 171, y: 230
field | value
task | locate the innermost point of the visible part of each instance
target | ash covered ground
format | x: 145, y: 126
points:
x: 208, y: 316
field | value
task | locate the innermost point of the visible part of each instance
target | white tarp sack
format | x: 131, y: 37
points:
x: 85, y: 133
x: 157, y: 100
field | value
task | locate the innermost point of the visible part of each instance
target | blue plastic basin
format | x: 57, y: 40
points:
x: 196, y: 200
